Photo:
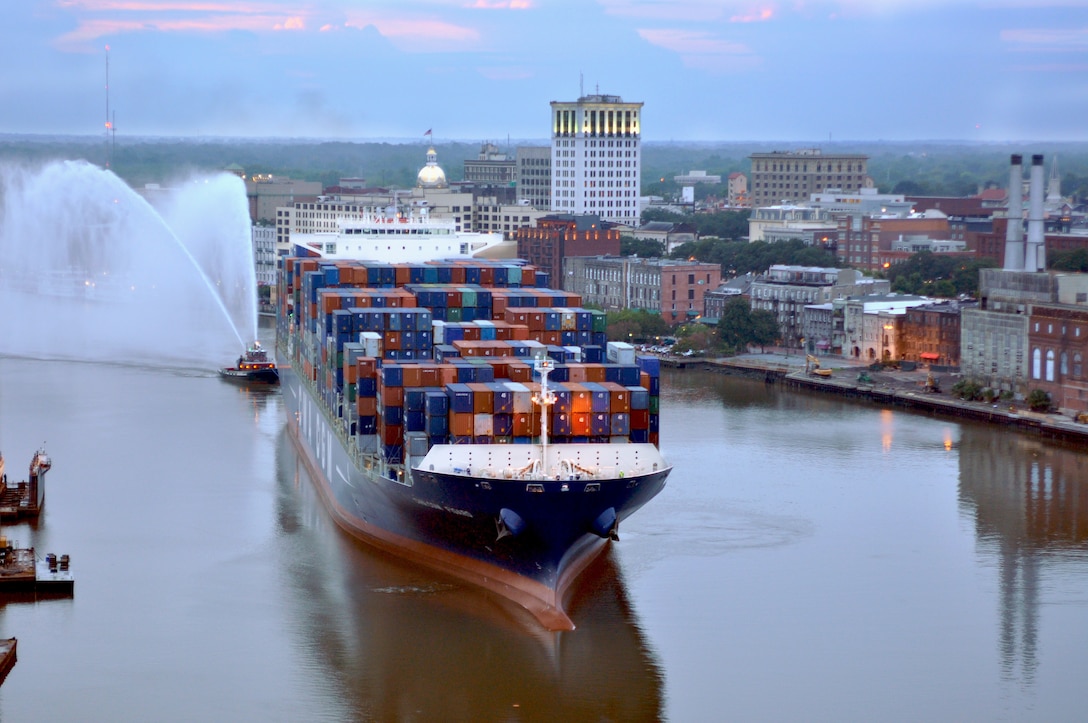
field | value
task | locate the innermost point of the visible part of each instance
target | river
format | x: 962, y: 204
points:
x: 810, y: 559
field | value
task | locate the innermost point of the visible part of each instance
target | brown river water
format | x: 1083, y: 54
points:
x: 810, y: 559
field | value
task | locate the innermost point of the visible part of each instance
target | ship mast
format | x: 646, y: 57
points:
x: 545, y: 398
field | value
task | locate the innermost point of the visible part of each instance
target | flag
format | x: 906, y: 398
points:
x: 428, y: 132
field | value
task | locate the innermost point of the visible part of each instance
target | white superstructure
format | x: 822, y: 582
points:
x: 394, y: 238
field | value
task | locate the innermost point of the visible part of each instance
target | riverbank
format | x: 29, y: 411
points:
x: 887, y: 388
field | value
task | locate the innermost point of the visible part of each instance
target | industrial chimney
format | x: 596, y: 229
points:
x: 1034, y: 252
x: 1014, y: 233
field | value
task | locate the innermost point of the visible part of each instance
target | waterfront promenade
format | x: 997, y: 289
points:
x: 905, y: 389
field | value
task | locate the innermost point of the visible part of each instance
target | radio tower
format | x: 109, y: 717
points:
x: 109, y: 123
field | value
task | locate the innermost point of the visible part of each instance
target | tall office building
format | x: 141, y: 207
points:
x: 793, y: 176
x: 597, y: 158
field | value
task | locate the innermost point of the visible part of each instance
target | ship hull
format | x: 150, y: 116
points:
x: 456, y: 523
x: 250, y: 376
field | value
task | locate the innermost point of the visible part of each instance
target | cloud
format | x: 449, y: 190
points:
x: 415, y: 34
x: 754, y: 17
x: 295, y: 23
x: 674, y: 10
x: 699, y: 49
x: 102, y: 18
x: 1047, y: 39
x: 500, y: 5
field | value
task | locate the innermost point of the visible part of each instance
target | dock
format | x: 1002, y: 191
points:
x: 7, y: 657
x: 889, y: 389
x: 24, y: 499
x: 22, y: 572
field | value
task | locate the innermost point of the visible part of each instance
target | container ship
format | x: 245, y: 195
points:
x: 462, y: 415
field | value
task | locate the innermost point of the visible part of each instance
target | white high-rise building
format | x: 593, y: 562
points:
x: 597, y: 157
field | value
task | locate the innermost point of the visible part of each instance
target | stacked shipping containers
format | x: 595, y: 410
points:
x: 412, y: 355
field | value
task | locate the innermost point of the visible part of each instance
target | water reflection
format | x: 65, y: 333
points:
x: 1029, y: 501
x: 394, y: 643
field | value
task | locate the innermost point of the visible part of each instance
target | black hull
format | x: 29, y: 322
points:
x: 450, y: 522
x: 259, y: 376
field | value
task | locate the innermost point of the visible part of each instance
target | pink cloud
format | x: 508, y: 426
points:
x: 242, y: 8
x: 754, y: 17
x: 295, y: 23
x: 701, y: 50
x: 82, y: 38
x: 418, y: 34
x: 1056, y: 39
x: 500, y: 5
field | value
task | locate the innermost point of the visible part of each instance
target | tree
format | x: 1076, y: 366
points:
x: 645, y: 248
x: 1038, y: 400
x: 635, y: 325
x: 939, y: 275
x: 735, y: 323
x: 1073, y: 260
x: 764, y: 328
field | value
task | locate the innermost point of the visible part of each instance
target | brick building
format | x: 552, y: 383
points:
x: 558, y: 236
x: 865, y: 242
x: 930, y: 334
x: 1058, y: 346
x: 675, y: 289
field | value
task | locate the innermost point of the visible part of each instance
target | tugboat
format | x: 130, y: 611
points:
x: 254, y: 367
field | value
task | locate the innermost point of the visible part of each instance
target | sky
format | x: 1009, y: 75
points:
x: 713, y: 70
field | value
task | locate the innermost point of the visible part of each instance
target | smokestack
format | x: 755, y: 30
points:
x: 1014, y: 233
x: 1034, y: 254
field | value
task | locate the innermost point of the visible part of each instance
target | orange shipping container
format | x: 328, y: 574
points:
x: 368, y: 406
x: 595, y: 373
x: 413, y: 375
x: 483, y: 399
x: 461, y: 423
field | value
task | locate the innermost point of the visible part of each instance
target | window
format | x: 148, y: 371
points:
x: 1050, y: 365
x: 1036, y: 363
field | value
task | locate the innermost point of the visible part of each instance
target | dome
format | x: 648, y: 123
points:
x: 431, y: 175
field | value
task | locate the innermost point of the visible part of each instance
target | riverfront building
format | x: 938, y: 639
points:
x: 675, y: 289
x: 930, y: 334
x: 785, y: 291
x: 597, y: 158
x: 872, y: 325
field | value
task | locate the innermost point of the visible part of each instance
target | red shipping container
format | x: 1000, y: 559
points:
x: 391, y: 433
x: 392, y: 396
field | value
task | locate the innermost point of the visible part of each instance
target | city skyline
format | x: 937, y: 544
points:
x: 981, y: 70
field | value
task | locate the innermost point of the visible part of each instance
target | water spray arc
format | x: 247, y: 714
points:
x: 97, y: 272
